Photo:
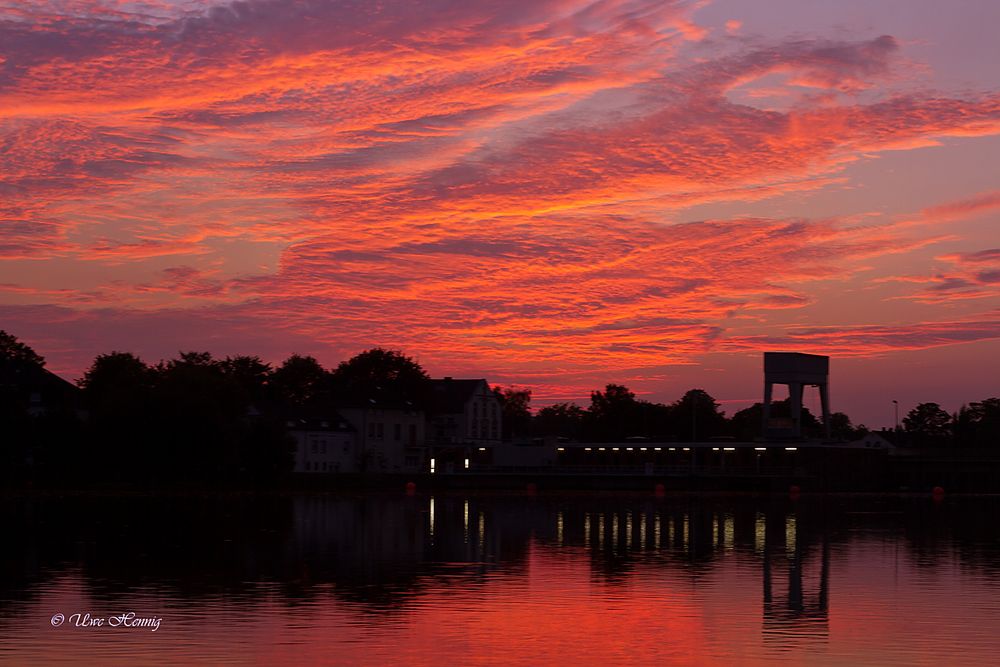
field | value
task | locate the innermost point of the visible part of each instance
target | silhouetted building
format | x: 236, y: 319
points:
x: 796, y: 370
x: 35, y: 390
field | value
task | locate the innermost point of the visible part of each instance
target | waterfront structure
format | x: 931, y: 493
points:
x: 390, y: 434
x: 324, y: 443
x: 797, y: 370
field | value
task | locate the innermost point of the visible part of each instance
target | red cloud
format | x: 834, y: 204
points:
x: 482, y: 184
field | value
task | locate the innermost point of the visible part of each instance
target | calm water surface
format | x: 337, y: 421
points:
x: 502, y: 580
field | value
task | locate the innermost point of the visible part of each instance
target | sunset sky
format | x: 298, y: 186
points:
x: 549, y: 193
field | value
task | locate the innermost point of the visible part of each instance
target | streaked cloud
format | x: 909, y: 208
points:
x: 506, y: 187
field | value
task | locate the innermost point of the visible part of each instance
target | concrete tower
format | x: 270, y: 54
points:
x: 796, y: 370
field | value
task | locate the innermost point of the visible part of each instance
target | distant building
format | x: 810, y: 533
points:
x: 324, y: 443
x: 871, y: 440
x: 390, y: 435
x: 37, y: 391
x: 464, y: 412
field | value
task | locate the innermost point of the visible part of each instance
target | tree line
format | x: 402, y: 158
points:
x: 199, y: 418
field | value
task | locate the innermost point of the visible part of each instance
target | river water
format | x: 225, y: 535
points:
x: 454, y: 579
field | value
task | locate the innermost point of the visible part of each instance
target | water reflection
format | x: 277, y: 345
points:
x: 726, y: 576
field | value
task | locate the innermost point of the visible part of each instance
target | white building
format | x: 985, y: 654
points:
x: 324, y: 444
x: 390, y: 435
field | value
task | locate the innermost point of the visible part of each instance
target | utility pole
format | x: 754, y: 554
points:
x: 895, y: 405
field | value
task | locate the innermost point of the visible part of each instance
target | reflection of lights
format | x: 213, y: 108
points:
x: 642, y: 529
x: 727, y: 532
x: 466, y: 516
x: 482, y: 531
x: 759, y: 532
x: 790, y: 535
x: 600, y: 529
x: 432, y: 515
x: 559, y: 528
x: 586, y: 529
x: 656, y: 530
x: 432, y: 465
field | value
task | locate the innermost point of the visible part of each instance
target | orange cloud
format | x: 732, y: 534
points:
x: 497, y: 186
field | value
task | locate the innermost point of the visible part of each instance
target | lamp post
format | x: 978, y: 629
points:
x: 895, y: 405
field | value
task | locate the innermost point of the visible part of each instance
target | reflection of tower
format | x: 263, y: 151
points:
x: 796, y: 370
x: 801, y: 612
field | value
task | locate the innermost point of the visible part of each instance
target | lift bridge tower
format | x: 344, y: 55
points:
x: 796, y: 370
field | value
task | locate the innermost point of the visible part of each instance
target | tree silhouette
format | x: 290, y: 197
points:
x: 696, y: 416
x: 299, y: 381
x: 927, y: 425
x: 515, y: 404
x: 13, y: 350
x: 379, y: 372
x: 250, y: 374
